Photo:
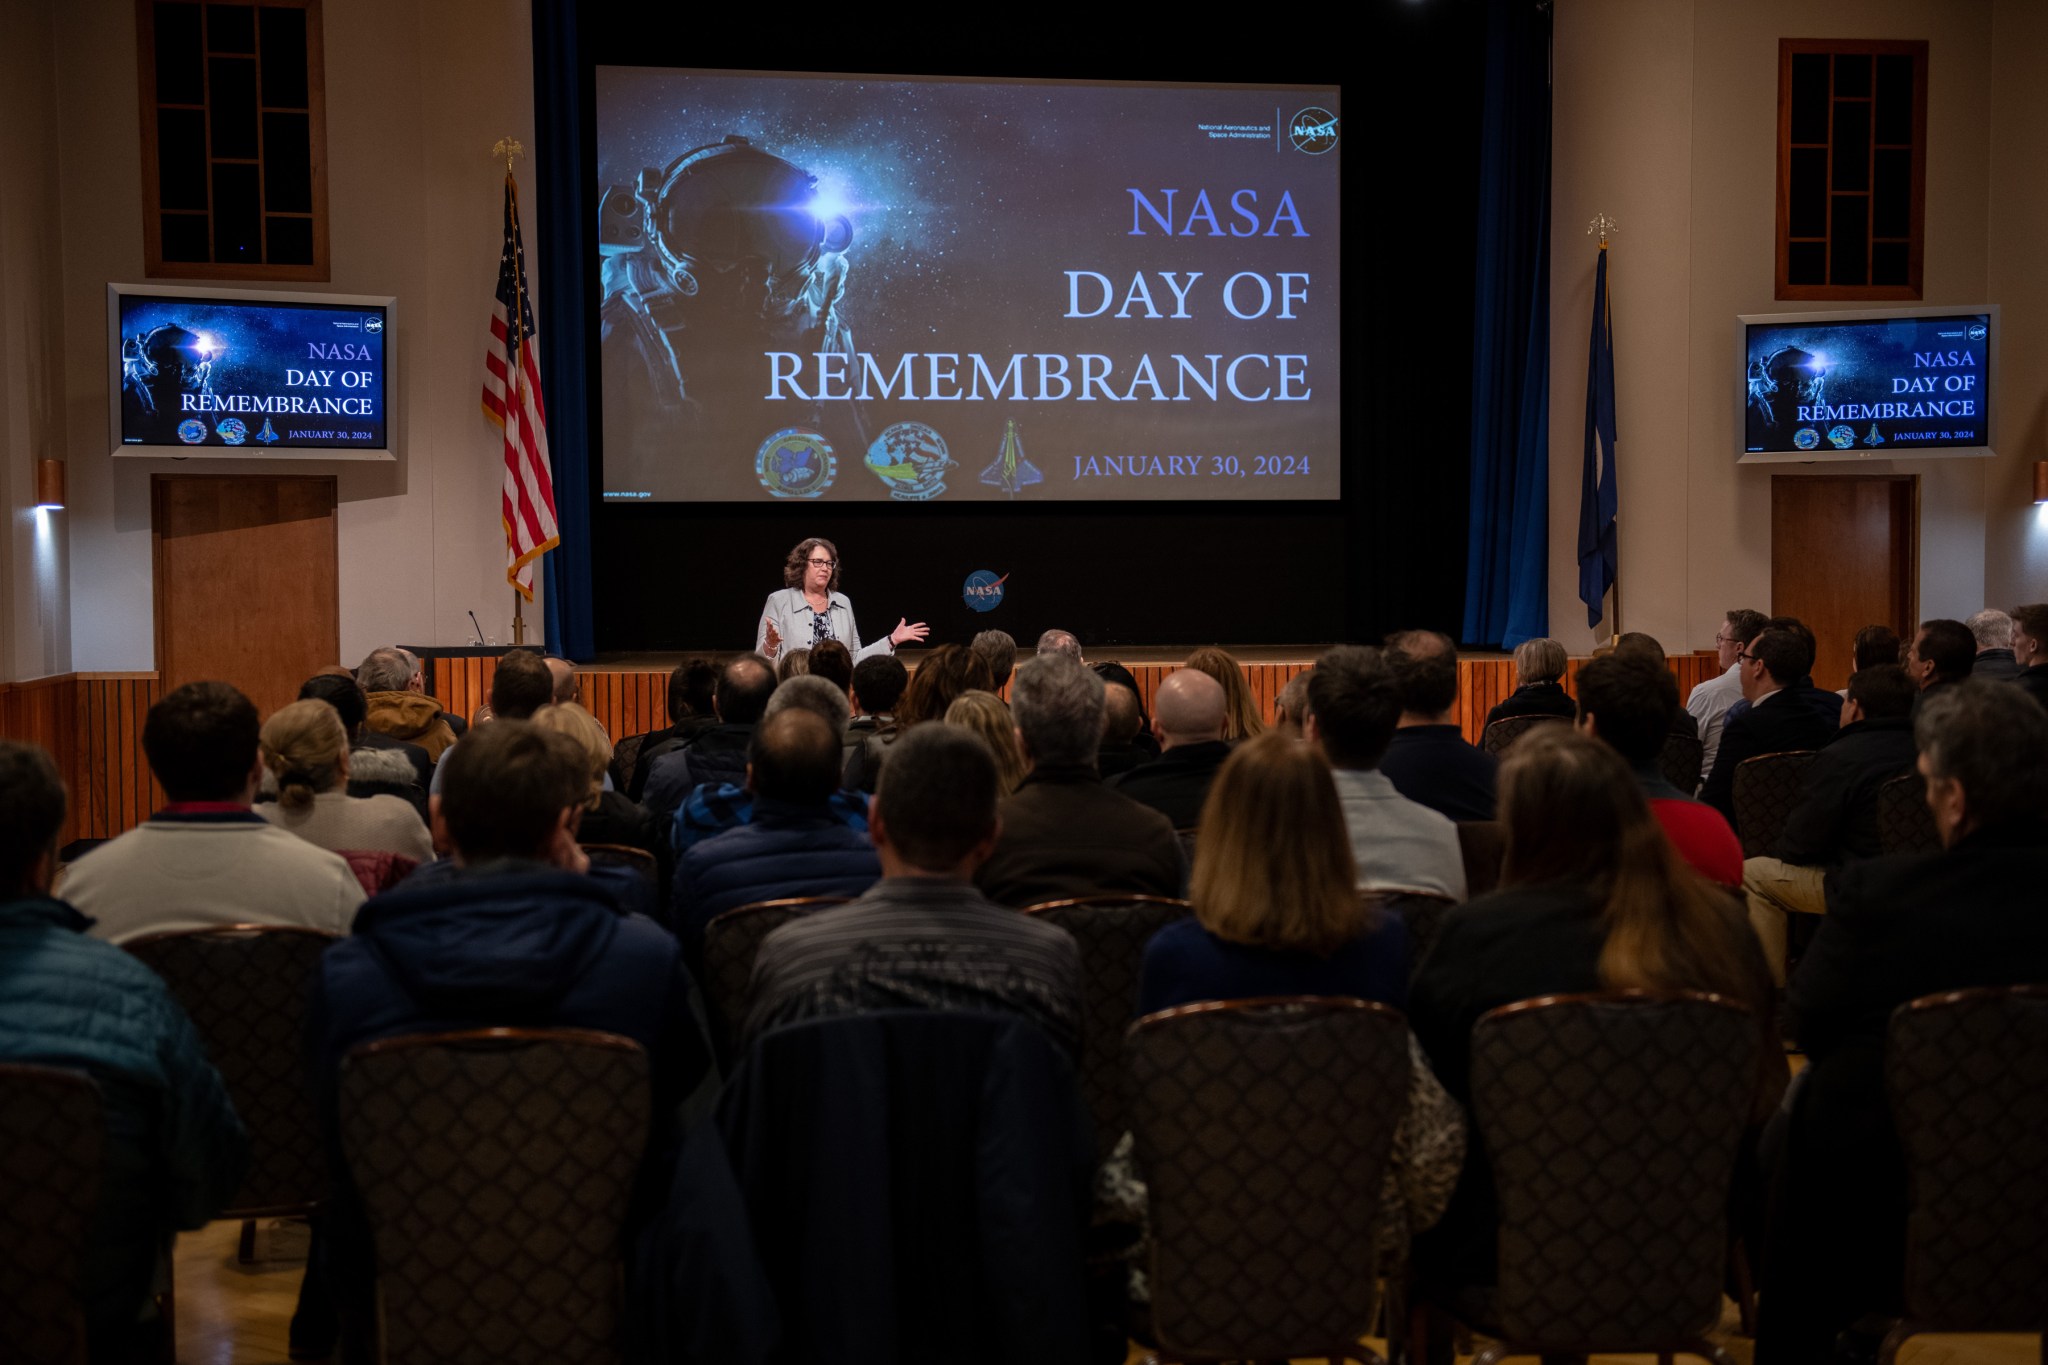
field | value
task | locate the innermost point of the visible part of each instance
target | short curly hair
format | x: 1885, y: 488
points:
x: 799, y: 559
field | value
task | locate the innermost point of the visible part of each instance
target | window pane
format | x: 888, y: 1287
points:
x: 1894, y: 99
x: 291, y: 241
x: 1852, y: 146
x: 232, y: 105
x: 181, y: 159
x: 287, y: 164
x: 184, y: 236
x: 1891, y: 206
x: 1810, y: 97
x: 230, y: 28
x: 284, y: 57
x: 1809, y: 217
x: 237, y: 218
x: 1850, y: 260
x: 180, y: 60
x: 1807, y: 263
x: 1888, y: 263
x: 1852, y: 74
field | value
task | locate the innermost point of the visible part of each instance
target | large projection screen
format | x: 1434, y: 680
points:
x: 852, y: 288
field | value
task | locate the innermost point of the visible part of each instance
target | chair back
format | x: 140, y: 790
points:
x: 495, y: 1168
x: 1767, y: 788
x: 1612, y: 1121
x: 1187, y: 844
x: 52, y: 1133
x: 625, y: 754
x: 1420, y: 914
x: 1680, y: 759
x: 1484, y: 846
x: 1112, y: 932
x: 624, y: 855
x: 1904, y: 823
x: 1496, y: 737
x: 245, y: 987
x: 731, y: 941
x: 1968, y: 1076
x: 1263, y: 1129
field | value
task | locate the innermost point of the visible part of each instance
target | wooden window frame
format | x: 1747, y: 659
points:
x: 1916, y: 246
x: 154, y: 264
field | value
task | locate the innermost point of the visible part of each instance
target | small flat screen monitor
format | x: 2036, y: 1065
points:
x: 233, y: 373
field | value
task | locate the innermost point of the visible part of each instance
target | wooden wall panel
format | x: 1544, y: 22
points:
x: 91, y: 723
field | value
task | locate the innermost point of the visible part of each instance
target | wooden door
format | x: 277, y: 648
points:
x: 246, y: 581
x: 1844, y: 556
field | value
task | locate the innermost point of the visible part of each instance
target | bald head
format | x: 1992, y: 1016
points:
x: 564, y: 674
x: 1188, y: 709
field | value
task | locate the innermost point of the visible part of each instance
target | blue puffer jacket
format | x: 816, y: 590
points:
x: 175, y: 1150
x: 785, y: 850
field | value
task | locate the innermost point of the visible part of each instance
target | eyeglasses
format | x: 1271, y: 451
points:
x: 1744, y: 657
x: 1725, y: 640
x: 821, y: 563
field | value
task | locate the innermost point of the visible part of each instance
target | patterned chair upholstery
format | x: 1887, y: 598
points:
x: 51, y: 1136
x: 1496, y: 737
x: 1262, y: 1130
x: 1968, y: 1076
x: 1904, y: 823
x: 1612, y: 1122
x: 1484, y: 844
x: 245, y: 988
x: 495, y: 1168
x: 1422, y: 915
x: 731, y: 940
x: 1112, y: 932
x: 1679, y: 761
x: 625, y: 754
x: 623, y: 855
x: 1767, y: 788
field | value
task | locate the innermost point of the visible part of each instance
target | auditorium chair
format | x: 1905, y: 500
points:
x: 731, y: 940
x: 1421, y: 914
x: 1483, y: 844
x: 51, y: 1136
x: 378, y: 869
x: 1767, y: 790
x: 1496, y: 737
x: 1112, y: 932
x: 1904, y: 823
x: 1263, y: 1128
x: 495, y: 1169
x: 1679, y: 761
x: 624, y: 855
x: 625, y: 754
x: 1612, y: 1122
x: 1967, y: 1072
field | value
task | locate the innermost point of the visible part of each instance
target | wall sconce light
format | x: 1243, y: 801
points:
x: 2041, y: 481
x: 50, y: 483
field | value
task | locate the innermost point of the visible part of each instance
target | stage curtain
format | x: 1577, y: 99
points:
x: 560, y: 239
x: 1507, y: 589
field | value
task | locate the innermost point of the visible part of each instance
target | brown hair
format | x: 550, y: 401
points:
x: 945, y: 673
x: 1241, y: 718
x: 985, y: 714
x: 1273, y: 867
x: 794, y: 663
x: 573, y: 721
x: 302, y: 746
x: 1574, y: 814
x: 799, y: 560
x: 833, y: 662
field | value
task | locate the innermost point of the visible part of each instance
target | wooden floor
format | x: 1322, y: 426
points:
x: 231, y: 1314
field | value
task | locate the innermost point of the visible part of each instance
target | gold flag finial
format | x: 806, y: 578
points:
x: 508, y: 147
x: 1602, y: 226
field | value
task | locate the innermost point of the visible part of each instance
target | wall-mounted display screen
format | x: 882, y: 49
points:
x: 242, y: 373
x: 1867, y: 385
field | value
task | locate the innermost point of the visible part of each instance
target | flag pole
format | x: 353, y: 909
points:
x: 510, y: 148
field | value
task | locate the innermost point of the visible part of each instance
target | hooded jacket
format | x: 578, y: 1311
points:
x: 411, y: 716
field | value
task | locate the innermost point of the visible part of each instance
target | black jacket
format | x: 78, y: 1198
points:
x: 1434, y: 765
x: 1836, y: 819
x: 1996, y: 664
x: 659, y: 744
x: 2035, y: 681
x: 1780, y: 723
x: 866, y: 745
x: 1176, y: 783
x: 1065, y: 834
x: 717, y: 755
x: 422, y: 765
x: 1536, y: 699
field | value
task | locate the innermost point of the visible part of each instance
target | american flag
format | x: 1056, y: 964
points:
x: 512, y: 400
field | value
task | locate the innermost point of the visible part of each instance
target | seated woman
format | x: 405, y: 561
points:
x: 1538, y: 666
x: 1241, y: 709
x: 986, y: 715
x: 609, y: 817
x: 305, y: 748
x: 1593, y: 897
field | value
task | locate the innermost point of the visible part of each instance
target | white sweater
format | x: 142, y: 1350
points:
x: 342, y: 823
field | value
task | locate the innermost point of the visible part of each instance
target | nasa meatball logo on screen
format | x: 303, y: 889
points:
x: 1313, y: 130
x: 984, y: 591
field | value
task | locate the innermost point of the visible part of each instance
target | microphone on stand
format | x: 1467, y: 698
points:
x: 479, y: 629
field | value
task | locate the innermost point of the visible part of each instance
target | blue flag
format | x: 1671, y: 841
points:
x: 1599, y: 555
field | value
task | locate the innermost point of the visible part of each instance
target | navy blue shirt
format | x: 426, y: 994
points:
x: 1185, y: 963
x: 1433, y: 765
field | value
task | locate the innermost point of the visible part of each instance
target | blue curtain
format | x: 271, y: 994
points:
x: 1507, y: 588
x: 563, y: 250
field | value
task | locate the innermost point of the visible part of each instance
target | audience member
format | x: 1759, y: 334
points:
x: 522, y: 683
x: 1992, y: 629
x: 985, y: 714
x: 1060, y: 642
x: 794, y: 845
x: 792, y: 663
x: 1122, y: 716
x: 395, y: 689
x: 1396, y: 844
x: 923, y: 937
x: 172, y: 1151
x: 1627, y: 703
x: 305, y: 747
x: 1876, y: 645
x: 1114, y: 674
x: 690, y: 714
x: 608, y: 817
x: 1777, y: 720
x: 1899, y: 928
x: 563, y: 675
x: 1188, y: 720
x: 1640, y: 645
x: 720, y: 753
x: 1428, y: 759
x: 1063, y: 833
x: 999, y: 652
x: 206, y: 858
x: 1824, y: 704
x: 1292, y: 703
x: 1539, y: 689
x: 1241, y: 718
x: 339, y: 689
x: 833, y: 661
x: 514, y: 934
x: 943, y: 675
x: 2030, y: 649
x: 1592, y: 898
x: 1941, y: 655
x: 713, y: 808
x: 1710, y: 701
x: 878, y: 684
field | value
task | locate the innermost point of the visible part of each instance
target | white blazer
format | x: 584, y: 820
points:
x: 786, y: 624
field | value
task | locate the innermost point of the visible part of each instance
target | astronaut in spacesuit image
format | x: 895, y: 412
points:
x: 158, y: 368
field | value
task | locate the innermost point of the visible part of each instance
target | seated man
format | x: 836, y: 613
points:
x: 1428, y: 760
x: 1398, y: 844
x: 720, y: 753
x: 2030, y: 649
x: 1992, y: 630
x: 522, y: 684
x: 1063, y: 642
x: 1064, y: 833
x: 396, y: 688
x: 713, y: 808
x: 1778, y: 719
x: 878, y: 683
x: 1941, y: 655
x: 1711, y: 700
x: 923, y: 937
x: 1638, y: 644
x: 794, y: 844
x: 206, y: 858
x: 513, y: 934
x: 998, y: 650
x: 1627, y: 702
x: 1898, y: 928
x: 174, y: 1151
x: 1122, y: 717
x: 1187, y: 720
x: 689, y: 714
x: 1835, y: 821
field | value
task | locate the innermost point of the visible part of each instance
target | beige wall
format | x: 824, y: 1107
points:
x: 1665, y: 119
